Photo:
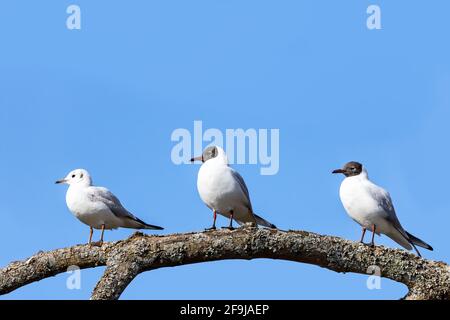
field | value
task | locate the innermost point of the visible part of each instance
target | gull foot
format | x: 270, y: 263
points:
x: 371, y: 245
x: 229, y: 228
x: 211, y: 229
x: 96, y: 244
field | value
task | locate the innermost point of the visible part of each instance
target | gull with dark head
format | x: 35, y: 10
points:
x: 97, y: 206
x: 223, y: 189
x: 371, y: 207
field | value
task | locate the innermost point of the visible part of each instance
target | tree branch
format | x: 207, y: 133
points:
x: 118, y: 275
x: 126, y: 259
x: 47, y: 264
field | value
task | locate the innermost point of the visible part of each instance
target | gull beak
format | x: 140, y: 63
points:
x: 338, y: 171
x: 61, y: 181
x: 199, y: 158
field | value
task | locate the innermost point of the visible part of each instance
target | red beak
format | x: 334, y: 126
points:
x: 199, y: 158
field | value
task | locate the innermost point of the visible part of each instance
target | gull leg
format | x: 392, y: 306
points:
x: 103, y: 232
x: 231, y: 221
x: 214, y: 223
x: 90, y: 235
x: 363, y: 234
x: 417, y: 251
x: 373, y: 236
x: 100, y: 243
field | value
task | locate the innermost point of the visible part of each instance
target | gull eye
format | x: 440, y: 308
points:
x: 73, y: 176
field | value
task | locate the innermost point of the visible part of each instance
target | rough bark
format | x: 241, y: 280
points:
x: 126, y: 259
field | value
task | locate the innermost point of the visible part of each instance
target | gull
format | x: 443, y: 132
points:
x: 224, y: 191
x: 371, y: 207
x: 97, y: 206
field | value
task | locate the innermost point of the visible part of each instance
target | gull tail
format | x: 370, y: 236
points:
x: 143, y: 225
x: 152, y: 227
x: 407, y: 240
x: 260, y: 221
x: 418, y: 242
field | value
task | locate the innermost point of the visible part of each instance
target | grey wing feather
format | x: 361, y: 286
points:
x: 244, y: 188
x: 113, y: 203
x: 385, y: 201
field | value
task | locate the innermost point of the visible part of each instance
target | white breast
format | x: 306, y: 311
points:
x: 220, y: 191
x: 94, y: 214
x: 357, y: 198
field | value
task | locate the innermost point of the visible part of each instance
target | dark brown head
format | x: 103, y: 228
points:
x: 351, y: 169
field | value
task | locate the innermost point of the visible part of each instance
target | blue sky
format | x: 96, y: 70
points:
x: 107, y: 98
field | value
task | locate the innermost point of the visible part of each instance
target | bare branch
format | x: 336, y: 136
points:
x: 47, y: 264
x: 126, y: 259
x: 122, y: 269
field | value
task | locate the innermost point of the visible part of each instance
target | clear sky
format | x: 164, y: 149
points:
x: 108, y: 97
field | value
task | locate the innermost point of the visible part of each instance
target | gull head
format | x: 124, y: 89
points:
x: 212, y: 152
x: 351, y: 169
x: 78, y: 176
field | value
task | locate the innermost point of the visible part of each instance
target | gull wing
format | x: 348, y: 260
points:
x: 385, y: 202
x: 111, y: 201
x: 243, y: 186
x: 258, y: 219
